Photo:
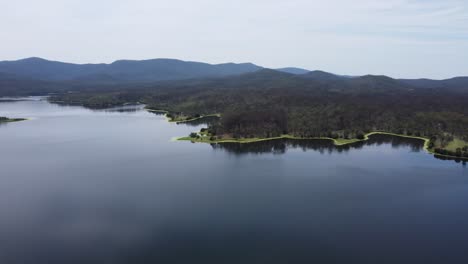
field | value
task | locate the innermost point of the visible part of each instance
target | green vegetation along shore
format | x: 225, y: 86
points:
x: 202, y: 137
x: 449, y: 147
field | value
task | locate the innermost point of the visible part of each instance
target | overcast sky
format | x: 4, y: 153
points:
x: 400, y: 38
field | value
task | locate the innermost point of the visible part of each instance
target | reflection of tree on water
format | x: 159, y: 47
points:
x: 462, y: 161
x: 416, y: 145
x: 281, y: 146
x: 272, y: 146
x: 122, y: 109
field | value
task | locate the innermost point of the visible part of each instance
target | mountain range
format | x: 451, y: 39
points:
x: 37, y: 75
x: 121, y: 70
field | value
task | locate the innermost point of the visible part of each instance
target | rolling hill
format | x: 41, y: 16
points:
x: 122, y: 70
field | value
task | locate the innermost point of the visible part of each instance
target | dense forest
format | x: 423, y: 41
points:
x: 269, y: 103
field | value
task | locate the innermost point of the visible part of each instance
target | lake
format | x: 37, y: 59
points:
x: 112, y: 186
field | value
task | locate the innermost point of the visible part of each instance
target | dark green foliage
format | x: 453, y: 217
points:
x: 360, y: 136
x: 261, y: 123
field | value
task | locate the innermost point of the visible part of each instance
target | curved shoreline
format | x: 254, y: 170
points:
x: 336, y: 142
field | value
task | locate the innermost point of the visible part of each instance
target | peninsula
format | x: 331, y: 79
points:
x: 9, y: 120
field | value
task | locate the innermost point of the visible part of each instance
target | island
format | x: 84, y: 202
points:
x: 9, y: 120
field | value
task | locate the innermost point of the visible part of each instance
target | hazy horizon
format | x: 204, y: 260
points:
x: 397, y: 38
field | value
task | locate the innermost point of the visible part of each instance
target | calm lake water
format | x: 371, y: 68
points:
x: 83, y: 186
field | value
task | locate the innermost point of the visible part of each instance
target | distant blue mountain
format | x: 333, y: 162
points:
x: 293, y: 70
x: 322, y: 76
x: 36, y: 74
x: 454, y: 83
x: 122, y: 70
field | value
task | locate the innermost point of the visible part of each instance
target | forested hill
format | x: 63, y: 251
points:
x: 268, y: 103
x: 457, y: 83
x: 40, y: 76
x: 313, y: 82
x: 122, y: 70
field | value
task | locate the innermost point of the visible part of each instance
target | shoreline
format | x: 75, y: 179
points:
x: 336, y: 142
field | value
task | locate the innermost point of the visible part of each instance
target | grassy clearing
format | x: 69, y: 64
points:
x: 455, y: 144
x: 343, y: 142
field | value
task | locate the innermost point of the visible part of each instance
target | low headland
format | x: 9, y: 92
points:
x: 10, y: 120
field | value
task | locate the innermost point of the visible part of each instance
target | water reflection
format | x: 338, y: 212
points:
x: 281, y: 146
x: 123, y: 109
x: 462, y: 161
x: 82, y: 186
x: 19, y: 99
